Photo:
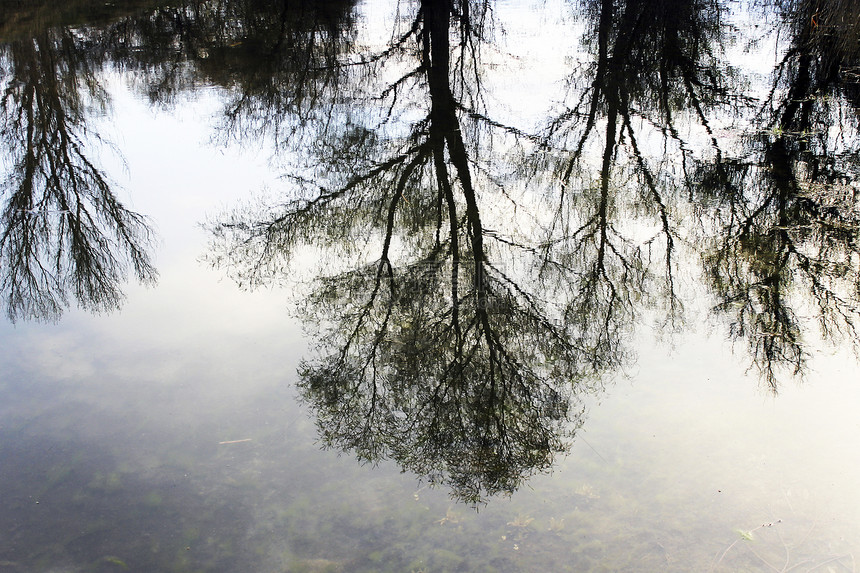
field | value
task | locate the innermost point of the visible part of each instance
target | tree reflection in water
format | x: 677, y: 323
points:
x: 785, y: 209
x: 64, y: 232
x: 433, y: 354
x: 487, y: 276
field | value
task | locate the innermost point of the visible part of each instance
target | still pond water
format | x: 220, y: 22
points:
x: 413, y: 287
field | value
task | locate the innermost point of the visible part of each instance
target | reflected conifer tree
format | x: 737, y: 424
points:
x: 787, y: 215
x: 63, y: 232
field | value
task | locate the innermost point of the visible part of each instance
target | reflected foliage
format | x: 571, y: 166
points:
x: 431, y: 354
x: 278, y: 57
x: 787, y: 208
x: 463, y: 352
x: 66, y: 236
x: 475, y: 404
x: 652, y: 65
x: 477, y: 278
x: 63, y: 232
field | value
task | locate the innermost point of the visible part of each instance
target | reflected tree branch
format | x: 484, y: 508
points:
x: 64, y: 232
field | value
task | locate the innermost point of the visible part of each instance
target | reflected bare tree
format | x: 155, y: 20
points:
x: 63, y: 232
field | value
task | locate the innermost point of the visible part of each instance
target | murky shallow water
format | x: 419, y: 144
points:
x: 168, y: 437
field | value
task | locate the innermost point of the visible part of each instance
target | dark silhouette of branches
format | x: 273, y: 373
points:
x: 63, y: 232
x: 654, y: 66
x: 430, y: 354
x: 788, y: 219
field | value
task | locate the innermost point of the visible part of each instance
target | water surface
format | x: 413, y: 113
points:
x: 561, y: 300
